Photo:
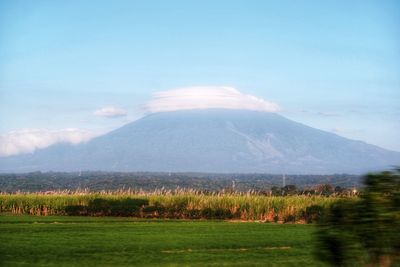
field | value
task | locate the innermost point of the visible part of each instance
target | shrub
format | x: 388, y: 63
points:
x: 313, y: 213
x: 367, y: 231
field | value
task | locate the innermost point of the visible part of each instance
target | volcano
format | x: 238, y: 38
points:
x: 211, y: 140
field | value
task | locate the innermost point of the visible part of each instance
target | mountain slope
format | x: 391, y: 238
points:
x: 211, y: 140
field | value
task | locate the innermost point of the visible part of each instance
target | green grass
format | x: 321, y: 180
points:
x: 110, y: 241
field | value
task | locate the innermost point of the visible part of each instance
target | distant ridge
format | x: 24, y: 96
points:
x: 211, y: 140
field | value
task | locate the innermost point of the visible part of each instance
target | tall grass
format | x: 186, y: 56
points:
x: 182, y: 204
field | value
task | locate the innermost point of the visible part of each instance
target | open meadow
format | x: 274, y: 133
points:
x: 158, y: 229
x: 109, y: 241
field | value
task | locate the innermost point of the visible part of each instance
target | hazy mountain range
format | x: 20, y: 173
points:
x: 211, y: 140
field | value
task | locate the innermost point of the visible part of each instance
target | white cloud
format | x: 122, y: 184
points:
x: 110, y: 112
x: 204, y: 97
x: 28, y: 140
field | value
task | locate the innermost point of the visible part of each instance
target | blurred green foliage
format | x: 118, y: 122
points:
x: 365, y: 232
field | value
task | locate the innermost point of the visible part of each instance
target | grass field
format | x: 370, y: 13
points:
x: 109, y: 241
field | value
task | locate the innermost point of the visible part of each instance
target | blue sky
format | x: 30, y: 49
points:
x: 334, y: 66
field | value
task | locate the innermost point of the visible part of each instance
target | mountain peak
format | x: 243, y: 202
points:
x: 212, y: 140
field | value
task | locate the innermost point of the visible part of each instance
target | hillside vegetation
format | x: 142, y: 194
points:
x: 149, y: 181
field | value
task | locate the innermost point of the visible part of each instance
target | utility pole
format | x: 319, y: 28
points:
x: 284, y: 180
